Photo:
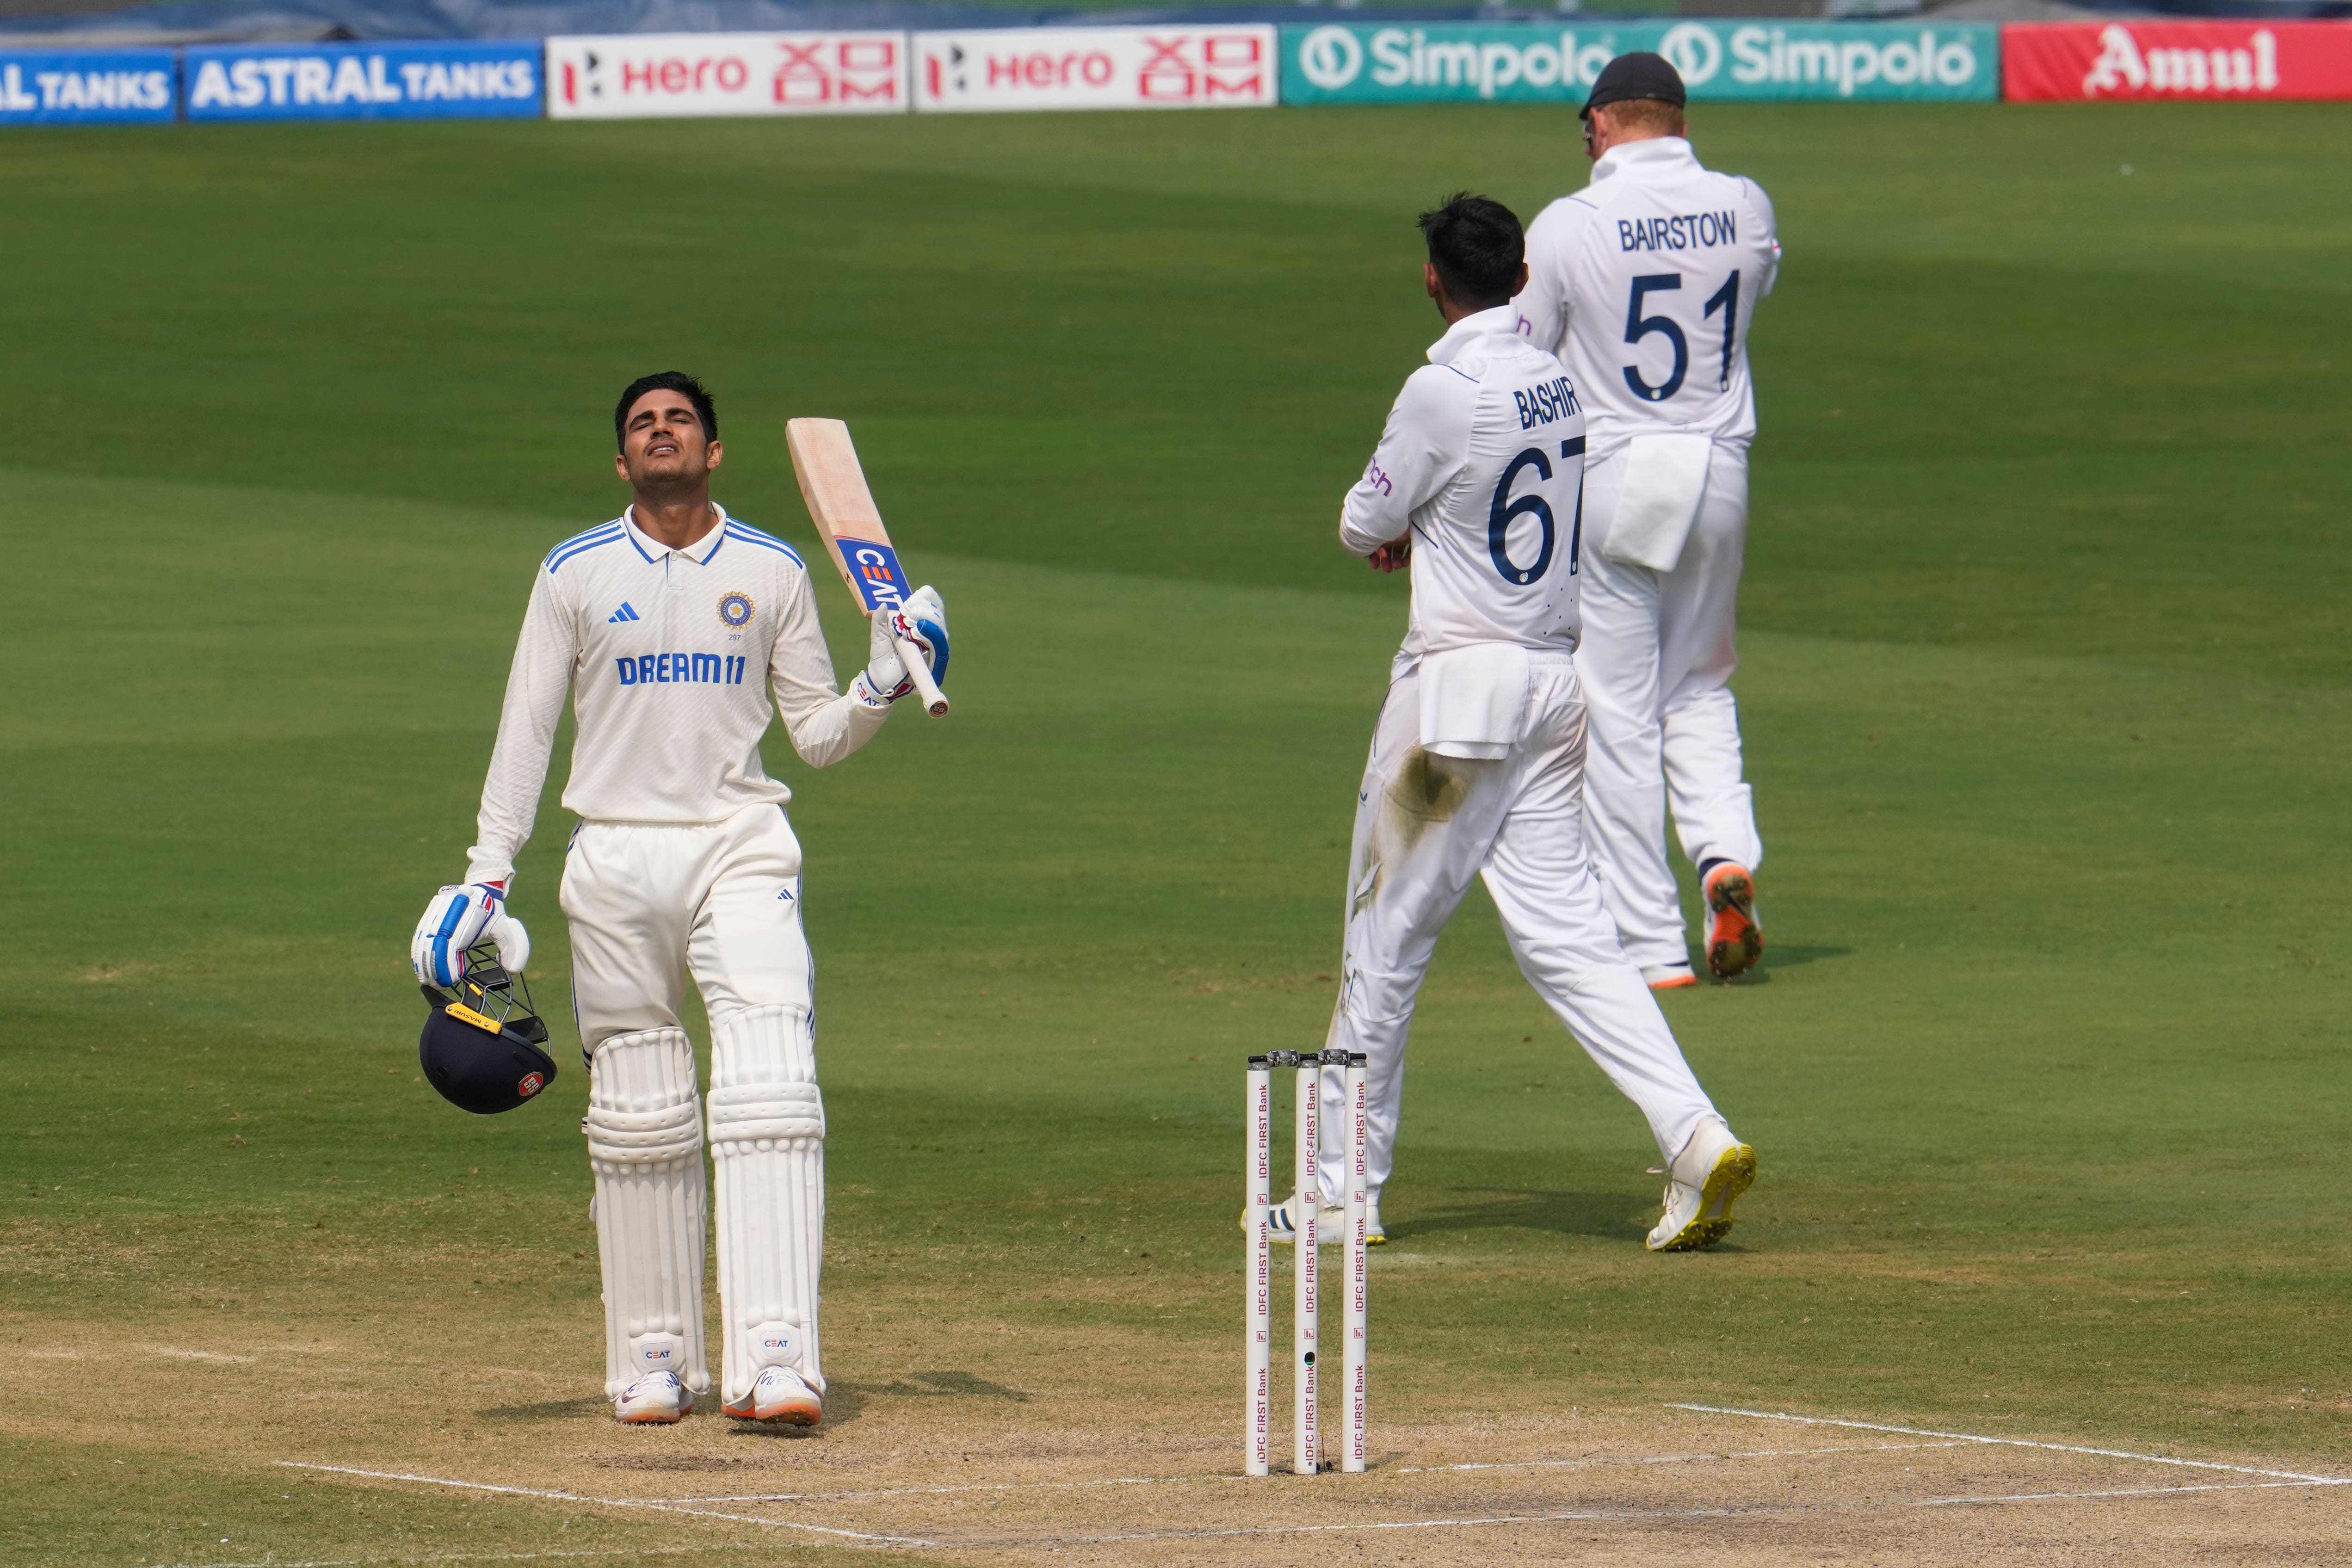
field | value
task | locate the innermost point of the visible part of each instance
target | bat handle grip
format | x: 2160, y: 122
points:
x: 935, y: 701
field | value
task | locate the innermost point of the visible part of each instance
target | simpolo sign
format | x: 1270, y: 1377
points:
x: 1534, y: 62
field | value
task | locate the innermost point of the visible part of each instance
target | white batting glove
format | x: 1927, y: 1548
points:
x: 456, y: 919
x: 922, y: 623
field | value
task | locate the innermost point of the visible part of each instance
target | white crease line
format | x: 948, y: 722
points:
x: 2121, y: 1491
x: 1591, y: 1516
x: 1572, y: 1515
x: 1669, y: 1458
x: 607, y: 1502
x: 1229, y: 1476
x: 2017, y: 1443
x: 480, y: 1556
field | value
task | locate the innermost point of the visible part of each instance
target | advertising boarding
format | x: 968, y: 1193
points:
x: 466, y: 80
x: 679, y: 74
x: 86, y: 86
x: 1096, y: 68
x: 1721, y: 61
x: 2177, y: 59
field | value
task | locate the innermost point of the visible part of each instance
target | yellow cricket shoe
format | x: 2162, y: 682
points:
x: 1706, y: 1178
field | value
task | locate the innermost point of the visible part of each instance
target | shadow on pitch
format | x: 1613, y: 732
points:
x: 845, y: 1401
x: 1612, y: 1216
x: 1791, y: 957
x: 551, y: 1410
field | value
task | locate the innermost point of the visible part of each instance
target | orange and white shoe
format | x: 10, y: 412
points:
x: 1668, y: 976
x: 656, y: 1399
x: 1735, y: 940
x: 778, y: 1394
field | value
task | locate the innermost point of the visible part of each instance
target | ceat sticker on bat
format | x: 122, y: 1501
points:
x: 874, y: 569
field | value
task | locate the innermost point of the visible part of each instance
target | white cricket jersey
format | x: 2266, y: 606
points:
x: 669, y: 657
x: 1483, y: 459
x: 1645, y: 283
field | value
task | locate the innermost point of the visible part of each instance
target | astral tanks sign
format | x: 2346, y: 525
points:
x: 1719, y: 62
x: 458, y: 80
x: 85, y: 87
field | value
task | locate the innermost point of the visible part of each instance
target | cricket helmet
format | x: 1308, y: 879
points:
x: 483, y: 1047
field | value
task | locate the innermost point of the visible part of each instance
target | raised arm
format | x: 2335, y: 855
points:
x: 826, y: 725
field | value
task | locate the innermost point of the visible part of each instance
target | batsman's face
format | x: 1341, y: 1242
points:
x: 664, y: 443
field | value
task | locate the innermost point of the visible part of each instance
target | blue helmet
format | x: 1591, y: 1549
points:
x: 483, y: 1047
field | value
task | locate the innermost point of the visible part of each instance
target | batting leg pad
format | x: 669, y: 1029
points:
x: 645, y: 1143
x: 767, y: 1143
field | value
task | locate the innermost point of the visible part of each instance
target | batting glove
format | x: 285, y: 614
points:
x: 922, y: 623
x: 455, y: 920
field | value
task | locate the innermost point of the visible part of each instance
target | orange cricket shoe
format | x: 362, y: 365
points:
x: 1735, y: 941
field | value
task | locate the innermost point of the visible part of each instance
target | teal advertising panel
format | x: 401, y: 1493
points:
x: 1720, y: 60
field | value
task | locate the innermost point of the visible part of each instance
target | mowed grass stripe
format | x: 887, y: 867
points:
x: 2043, y: 690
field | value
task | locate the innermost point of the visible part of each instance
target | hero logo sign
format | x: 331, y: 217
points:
x: 1203, y: 67
x: 681, y: 74
x: 1096, y: 68
x: 2308, y: 60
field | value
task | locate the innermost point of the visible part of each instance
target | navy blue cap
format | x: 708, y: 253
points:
x: 1637, y: 75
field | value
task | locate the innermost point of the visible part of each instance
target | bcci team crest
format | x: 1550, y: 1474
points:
x: 735, y: 609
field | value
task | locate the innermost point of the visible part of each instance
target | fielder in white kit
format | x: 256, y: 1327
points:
x: 1477, y: 758
x: 668, y: 629
x: 1644, y: 284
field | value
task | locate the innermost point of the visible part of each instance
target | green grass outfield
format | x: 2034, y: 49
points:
x: 2047, y: 689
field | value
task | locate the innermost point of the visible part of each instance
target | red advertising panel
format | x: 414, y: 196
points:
x: 2079, y: 60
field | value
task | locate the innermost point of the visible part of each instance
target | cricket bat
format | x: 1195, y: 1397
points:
x: 843, y: 508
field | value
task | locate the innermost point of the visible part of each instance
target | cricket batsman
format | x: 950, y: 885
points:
x: 1644, y: 284
x: 1477, y: 758
x: 670, y: 628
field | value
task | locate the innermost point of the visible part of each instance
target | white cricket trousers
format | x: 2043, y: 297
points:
x: 1656, y: 653
x: 1425, y: 827
x: 649, y: 903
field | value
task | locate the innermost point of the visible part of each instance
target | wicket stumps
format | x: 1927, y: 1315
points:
x: 1306, y: 1444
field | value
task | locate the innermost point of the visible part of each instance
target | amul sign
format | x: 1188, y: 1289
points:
x: 1096, y: 68
x: 1534, y: 62
x: 2177, y: 59
x: 645, y: 75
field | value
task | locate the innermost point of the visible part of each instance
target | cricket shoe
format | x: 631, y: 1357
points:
x: 1668, y: 976
x: 1282, y: 1223
x: 1711, y: 1172
x: 779, y: 1395
x: 1373, y: 1234
x: 655, y: 1399
x: 1734, y: 941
